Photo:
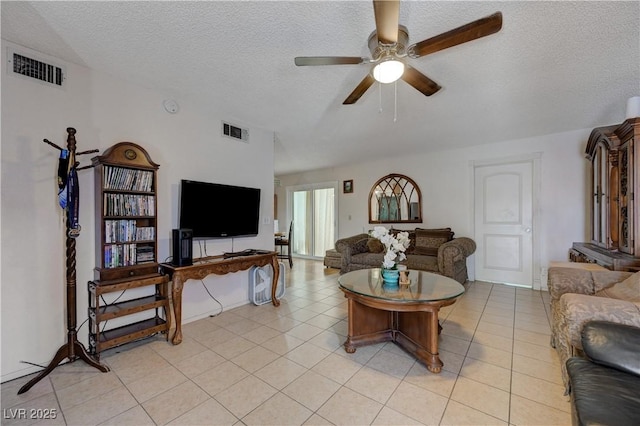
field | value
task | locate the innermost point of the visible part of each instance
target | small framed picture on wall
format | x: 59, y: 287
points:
x: 347, y: 186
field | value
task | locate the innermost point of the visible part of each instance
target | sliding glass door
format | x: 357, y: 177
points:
x: 313, y: 210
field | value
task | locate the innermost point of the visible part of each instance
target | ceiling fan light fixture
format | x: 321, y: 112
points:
x: 388, y: 70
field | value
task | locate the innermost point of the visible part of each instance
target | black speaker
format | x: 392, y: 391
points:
x: 182, y: 247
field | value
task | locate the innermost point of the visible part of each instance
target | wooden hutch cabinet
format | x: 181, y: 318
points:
x: 126, y: 249
x: 615, y: 198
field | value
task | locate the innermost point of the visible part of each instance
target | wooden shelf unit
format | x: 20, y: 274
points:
x: 615, y: 198
x: 126, y: 247
x: 99, y: 312
x: 126, y: 206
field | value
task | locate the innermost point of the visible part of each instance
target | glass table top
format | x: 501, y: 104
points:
x: 423, y: 286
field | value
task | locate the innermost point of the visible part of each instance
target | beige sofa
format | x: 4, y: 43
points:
x: 448, y: 258
x: 579, y: 296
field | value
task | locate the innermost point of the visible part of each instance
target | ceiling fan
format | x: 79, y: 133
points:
x: 389, y: 46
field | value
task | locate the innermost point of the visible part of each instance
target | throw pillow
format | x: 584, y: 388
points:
x: 412, y: 243
x: 437, y: 229
x: 429, y: 240
x: 628, y: 289
x: 375, y: 245
x: 360, y: 246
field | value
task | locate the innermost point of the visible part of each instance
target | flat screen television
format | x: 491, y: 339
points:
x: 213, y: 210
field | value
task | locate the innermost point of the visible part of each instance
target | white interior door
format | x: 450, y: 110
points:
x: 504, y: 222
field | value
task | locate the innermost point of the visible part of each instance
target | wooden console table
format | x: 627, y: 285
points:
x: 218, y: 265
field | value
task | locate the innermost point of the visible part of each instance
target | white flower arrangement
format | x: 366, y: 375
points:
x: 394, y: 246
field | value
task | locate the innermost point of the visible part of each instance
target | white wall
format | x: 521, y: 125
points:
x: 104, y: 111
x: 445, y: 180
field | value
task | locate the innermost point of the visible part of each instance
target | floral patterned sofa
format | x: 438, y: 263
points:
x: 579, y: 296
x: 433, y: 250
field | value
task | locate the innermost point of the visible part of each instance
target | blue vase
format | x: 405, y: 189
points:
x: 390, y: 276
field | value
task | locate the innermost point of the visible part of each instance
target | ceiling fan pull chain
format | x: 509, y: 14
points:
x: 379, y: 98
x: 395, y: 101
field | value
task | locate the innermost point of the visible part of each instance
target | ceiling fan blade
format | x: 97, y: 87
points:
x: 329, y: 60
x: 359, y: 90
x: 387, y: 13
x: 471, y: 31
x: 420, y: 81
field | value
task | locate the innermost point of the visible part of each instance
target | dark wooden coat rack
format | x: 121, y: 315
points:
x: 73, y: 349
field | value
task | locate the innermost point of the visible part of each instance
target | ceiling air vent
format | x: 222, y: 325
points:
x: 33, y: 68
x: 235, y: 132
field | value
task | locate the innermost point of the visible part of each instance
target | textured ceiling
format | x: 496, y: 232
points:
x: 554, y: 66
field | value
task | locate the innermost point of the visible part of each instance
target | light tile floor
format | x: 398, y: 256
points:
x: 261, y: 365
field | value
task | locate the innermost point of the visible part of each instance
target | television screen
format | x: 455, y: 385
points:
x: 214, y: 210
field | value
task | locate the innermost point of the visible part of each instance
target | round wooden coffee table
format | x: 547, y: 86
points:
x: 405, y: 314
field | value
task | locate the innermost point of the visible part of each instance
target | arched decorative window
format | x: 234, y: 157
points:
x: 395, y: 198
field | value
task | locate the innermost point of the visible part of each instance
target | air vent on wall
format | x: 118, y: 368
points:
x: 235, y: 132
x: 33, y: 68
